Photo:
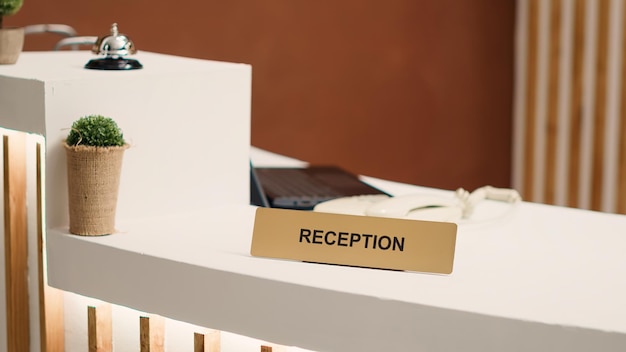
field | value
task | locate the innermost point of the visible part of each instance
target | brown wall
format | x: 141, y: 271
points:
x: 411, y: 90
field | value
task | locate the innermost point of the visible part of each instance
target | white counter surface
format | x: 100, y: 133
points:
x: 526, y: 277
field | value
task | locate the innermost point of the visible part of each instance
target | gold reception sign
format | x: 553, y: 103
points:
x: 363, y: 241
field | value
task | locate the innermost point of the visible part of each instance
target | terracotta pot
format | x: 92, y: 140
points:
x: 11, y: 45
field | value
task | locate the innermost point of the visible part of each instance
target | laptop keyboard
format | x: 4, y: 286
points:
x: 285, y: 184
x: 304, y: 188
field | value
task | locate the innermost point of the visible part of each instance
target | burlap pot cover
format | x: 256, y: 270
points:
x: 93, y: 175
x: 11, y: 45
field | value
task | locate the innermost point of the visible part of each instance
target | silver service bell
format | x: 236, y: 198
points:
x: 114, y: 48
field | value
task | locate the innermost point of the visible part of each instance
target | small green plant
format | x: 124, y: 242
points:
x: 9, y: 7
x: 96, y: 131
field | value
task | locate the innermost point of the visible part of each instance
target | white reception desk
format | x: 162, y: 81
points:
x: 526, y: 278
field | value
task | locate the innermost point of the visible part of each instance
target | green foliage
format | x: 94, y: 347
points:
x: 9, y: 7
x: 95, y: 130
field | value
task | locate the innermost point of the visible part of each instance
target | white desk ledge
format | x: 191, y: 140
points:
x: 536, y: 278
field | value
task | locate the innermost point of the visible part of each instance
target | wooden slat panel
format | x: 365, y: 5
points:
x: 588, y: 107
x: 553, y: 93
x: 207, y: 342
x: 271, y: 347
x: 152, y: 333
x: 51, y: 322
x: 576, y: 102
x: 600, y: 104
x: 531, y: 82
x: 100, y: 328
x: 16, y: 243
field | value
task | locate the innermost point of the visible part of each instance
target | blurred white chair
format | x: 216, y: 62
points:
x: 75, y: 42
x: 71, y: 35
x: 61, y: 29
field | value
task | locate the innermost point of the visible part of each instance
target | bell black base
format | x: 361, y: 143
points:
x: 108, y: 63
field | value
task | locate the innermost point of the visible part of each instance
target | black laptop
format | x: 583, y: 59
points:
x: 303, y: 188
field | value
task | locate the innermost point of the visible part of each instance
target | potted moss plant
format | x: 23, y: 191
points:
x: 11, y: 39
x: 94, y: 147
